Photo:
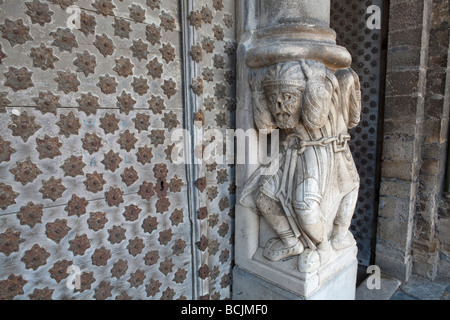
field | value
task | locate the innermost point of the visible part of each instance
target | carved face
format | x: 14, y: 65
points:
x: 285, y: 106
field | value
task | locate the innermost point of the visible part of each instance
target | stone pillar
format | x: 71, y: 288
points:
x: 274, y: 33
x: 275, y: 12
x: 429, y: 243
x: 404, y: 123
x: 300, y: 29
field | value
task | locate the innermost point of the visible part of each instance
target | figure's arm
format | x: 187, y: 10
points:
x: 263, y: 118
x: 354, y: 112
x: 350, y: 96
x: 317, y: 96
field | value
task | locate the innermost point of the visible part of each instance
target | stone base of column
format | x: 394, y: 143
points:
x: 266, y: 280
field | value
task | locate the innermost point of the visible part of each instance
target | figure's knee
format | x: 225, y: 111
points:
x: 307, y: 201
x: 266, y: 204
x: 347, y: 209
x: 261, y: 201
x: 308, y: 211
x: 310, y: 216
x: 266, y: 196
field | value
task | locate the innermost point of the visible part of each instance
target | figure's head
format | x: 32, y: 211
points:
x: 298, y: 91
x: 284, y: 85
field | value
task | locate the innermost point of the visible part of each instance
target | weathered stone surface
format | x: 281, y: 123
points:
x: 282, y: 84
x: 388, y: 287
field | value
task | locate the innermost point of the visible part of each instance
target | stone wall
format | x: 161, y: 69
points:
x: 412, y: 224
x: 409, y: 25
x: 438, y: 101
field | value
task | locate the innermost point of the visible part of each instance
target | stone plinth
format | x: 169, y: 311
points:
x: 341, y: 286
x: 256, y: 277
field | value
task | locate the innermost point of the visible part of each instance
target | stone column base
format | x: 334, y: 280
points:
x: 332, y: 282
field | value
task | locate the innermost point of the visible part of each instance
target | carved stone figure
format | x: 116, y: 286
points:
x: 310, y: 199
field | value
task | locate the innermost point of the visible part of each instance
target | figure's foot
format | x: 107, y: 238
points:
x: 324, y: 250
x: 309, y: 261
x: 276, y: 250
x: 342, y: 240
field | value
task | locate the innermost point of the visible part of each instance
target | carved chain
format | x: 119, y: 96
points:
x: 340, y: 143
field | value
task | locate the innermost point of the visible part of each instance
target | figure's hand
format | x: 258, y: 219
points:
x: 356, y: 78
x: 256, y: 79
x: 313, y: 70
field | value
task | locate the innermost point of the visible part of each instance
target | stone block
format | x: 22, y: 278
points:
x: 435, y: 107
x: 400, y: 170
x: 436, y: 76
x: 402, y: 296
x: 394, y: 230
x: 431, y: 167
x: 444, y: 266
x: 399, y: 189
x: 392, y: 250
x: 403, y: 56
x: 426, y: 205
x: 286, y: 275
x: 399, y: 147
x: 443, y: 230
x: 425, y: 269
x: 424, y: 225
x: 402, y: 83
x: 248, y: 286
x: 406, y: 15
x: 391, y: 263
x: 391, y: 207
x: 388, y: 286
x: 435, y: 130
x: 433, y: 151
x: 424, y: 289
x: 443, y: 210
x: 410, y: 37
x: 411, y: 126
x: 401, y: 108
x: 440, y: 12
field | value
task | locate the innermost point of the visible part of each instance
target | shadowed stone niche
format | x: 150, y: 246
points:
x: 295, y: 89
